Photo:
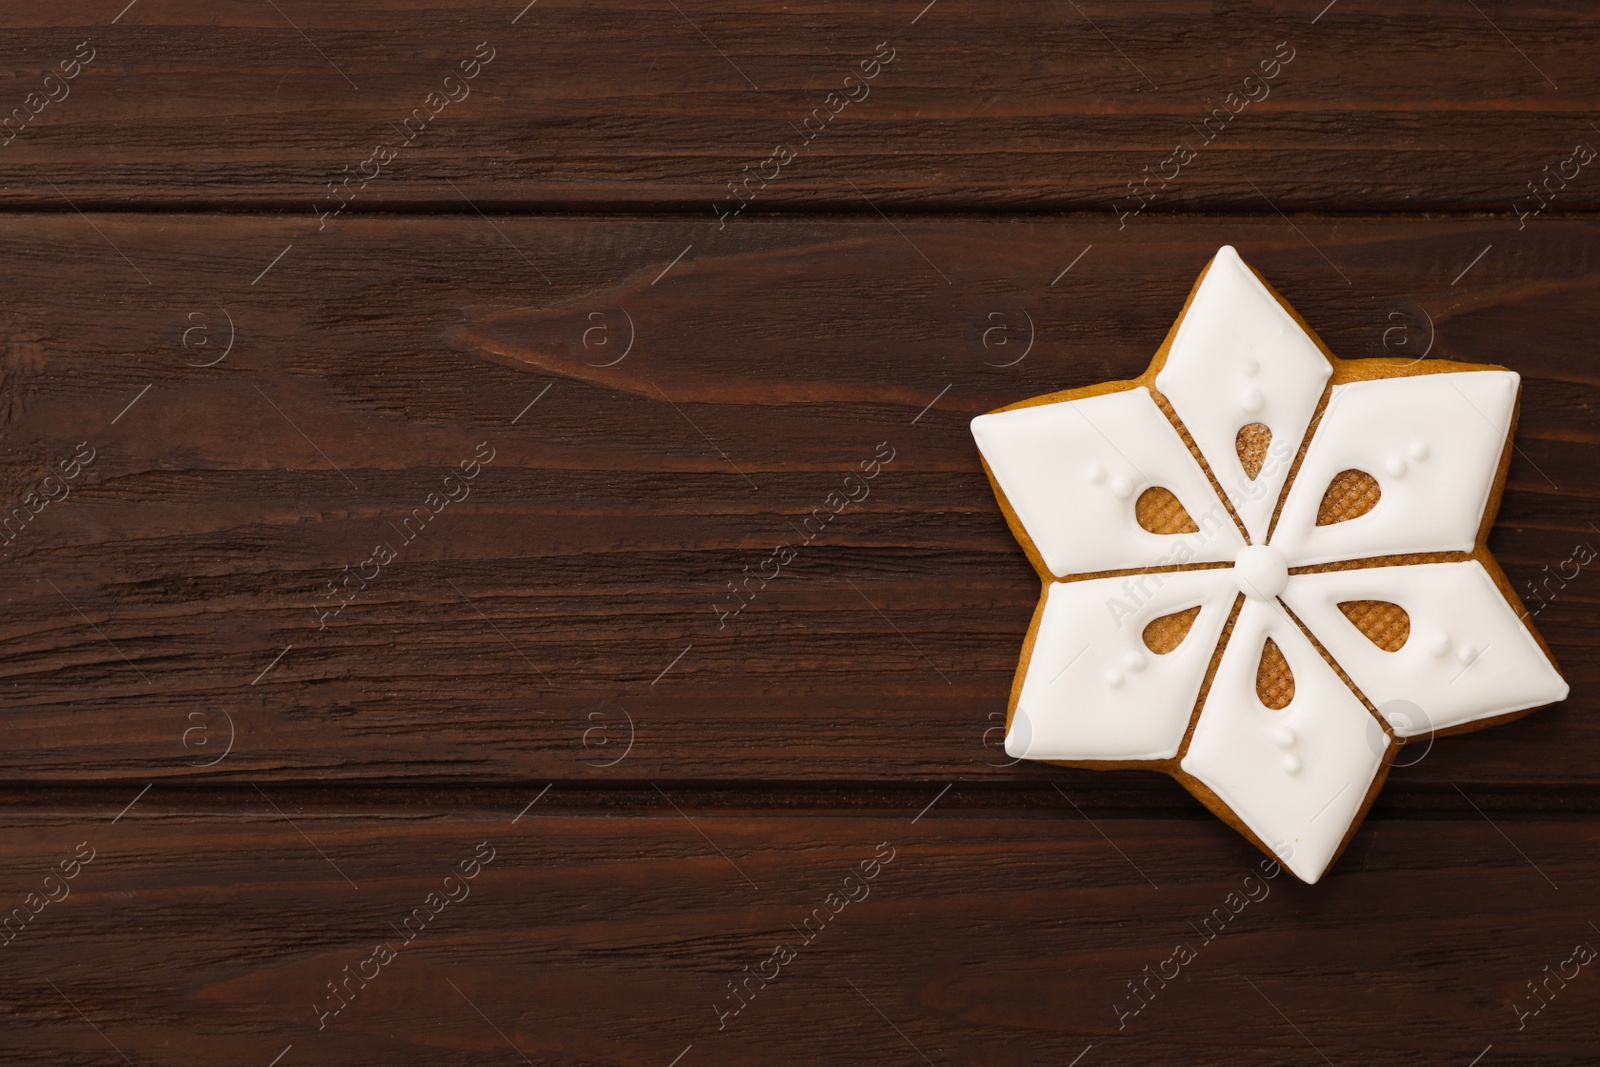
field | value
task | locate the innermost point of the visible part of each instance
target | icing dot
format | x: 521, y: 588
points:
x: 1260, y: 571
x: 1282, y: 736
x: 1114, y: 678
x: 1291, y: 763
x: 1133, y: 661
x: 1121, y: 488
x: 1252, y: 400
x: 1418, y: 450
x: 1251, y: 368
x: 1395, y: 466
x: 1439, y: 644
x: 1466, y: 655
x: 1097, y: 473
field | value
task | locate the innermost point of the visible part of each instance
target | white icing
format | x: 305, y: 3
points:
x: 1078, y: 704
x: 1297, y: 777
x: 1496, y: 667
x: 1260, y: 571
x: 1070, y: 471
x: 1301, y: 808
x: 1238, y: 358
x: 1461, y: 418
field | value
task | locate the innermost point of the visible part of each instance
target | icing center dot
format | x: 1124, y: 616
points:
x: 1260, y: 571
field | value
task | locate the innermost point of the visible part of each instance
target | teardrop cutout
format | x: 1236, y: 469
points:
x: 1384, y: 624
x: 1159, y: 512
x: 1274, y: 680
x: 1167, y: 633
x: 1350, y: 495
x: 1252, y: 444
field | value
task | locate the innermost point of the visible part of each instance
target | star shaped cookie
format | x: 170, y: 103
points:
x: 1264, y: 567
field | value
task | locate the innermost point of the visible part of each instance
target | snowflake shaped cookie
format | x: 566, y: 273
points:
x: 1264, y: 567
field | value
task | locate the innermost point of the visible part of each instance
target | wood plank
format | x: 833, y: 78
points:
x: 610, y: 105
x: 569, y: 603
x: 608, y: 935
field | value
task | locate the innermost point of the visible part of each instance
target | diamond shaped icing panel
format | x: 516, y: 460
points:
x: 1074, y: 472
x: 1239, y: 358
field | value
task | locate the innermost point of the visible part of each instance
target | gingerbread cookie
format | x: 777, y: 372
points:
x: 1264, y: 567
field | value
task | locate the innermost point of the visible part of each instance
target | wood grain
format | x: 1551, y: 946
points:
x: 606, y: 934
x: 616, y: 106
x: 577, y: 589
x: 284, y: 298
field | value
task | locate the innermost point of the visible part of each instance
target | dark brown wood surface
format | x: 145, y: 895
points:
x: 608, y: 931
x: 595, y: 550
x: 654, y: 400
x: 621, y: 106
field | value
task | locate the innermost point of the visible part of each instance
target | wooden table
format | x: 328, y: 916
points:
x: 320, y: 751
